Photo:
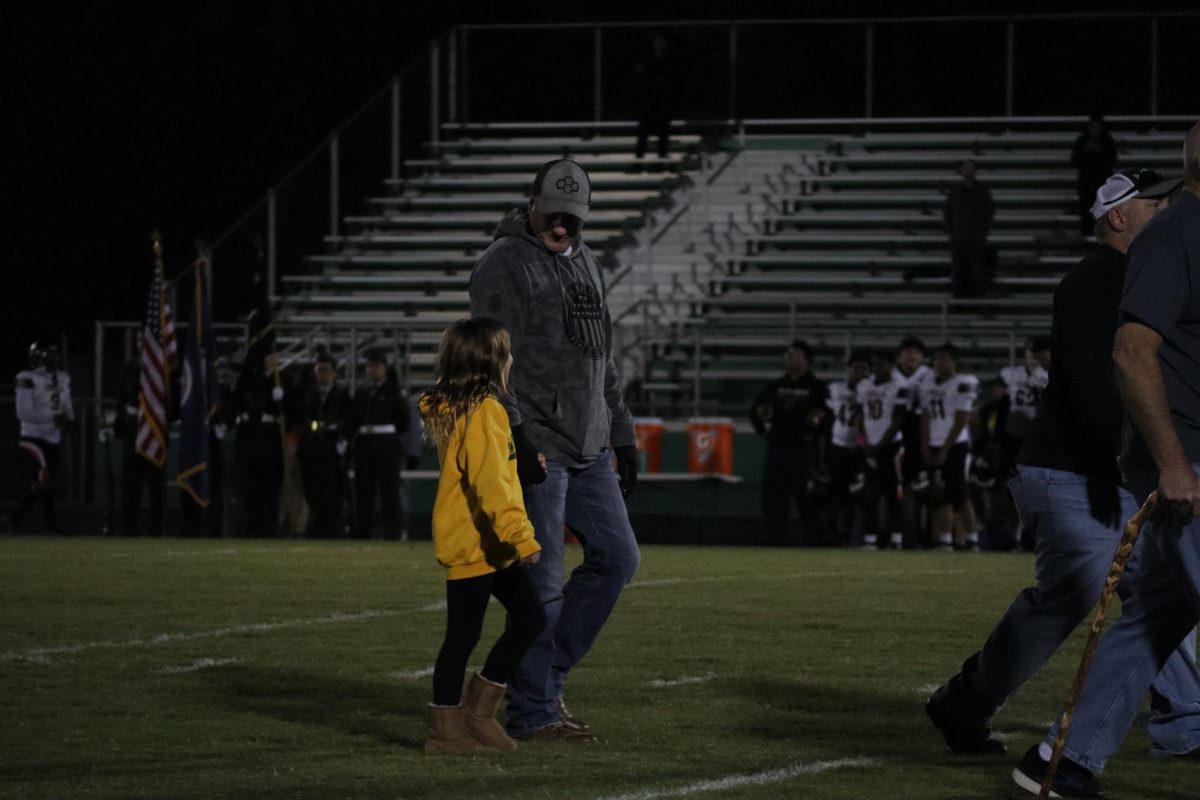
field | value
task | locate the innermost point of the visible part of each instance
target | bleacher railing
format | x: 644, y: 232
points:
x: 740, y: 74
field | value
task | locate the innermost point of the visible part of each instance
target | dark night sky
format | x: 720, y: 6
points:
x: 122, y: 117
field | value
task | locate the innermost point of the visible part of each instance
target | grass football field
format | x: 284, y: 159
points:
x: 177, y: 668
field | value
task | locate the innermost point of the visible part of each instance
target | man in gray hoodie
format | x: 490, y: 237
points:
x: 543, y: 283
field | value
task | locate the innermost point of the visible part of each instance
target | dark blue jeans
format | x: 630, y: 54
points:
x: 589, y: 501
x: 787, y: 470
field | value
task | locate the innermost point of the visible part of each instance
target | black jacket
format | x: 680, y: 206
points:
x: 1078, y: 423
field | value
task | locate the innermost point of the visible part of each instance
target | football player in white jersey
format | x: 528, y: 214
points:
x: 44, y: 410
x: 1023, y: 384
x: 910, y: 371
x: 946, y: 402
x: 845, y: 515
x: 884, y: 400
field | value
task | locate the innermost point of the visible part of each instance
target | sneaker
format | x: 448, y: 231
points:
x: 1070, y: 780
x: 963, y: 737
x: 558, y: 732
x: 567, y: 718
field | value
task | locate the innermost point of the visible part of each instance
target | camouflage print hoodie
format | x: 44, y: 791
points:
x: 564, y: 385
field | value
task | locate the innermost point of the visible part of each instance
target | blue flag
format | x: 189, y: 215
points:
x: 199, y: 393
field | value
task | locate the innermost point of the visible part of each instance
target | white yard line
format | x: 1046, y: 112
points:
x: 750, y: 779
x: 41, y: 654
x: 790, y: 576
x: 411, y: 675
x: 196, y: 666
x: 687, y: 680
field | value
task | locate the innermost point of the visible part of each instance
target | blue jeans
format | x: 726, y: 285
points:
x: 1073, y: 556
x: 588, y: 500
x: 1142, y: 649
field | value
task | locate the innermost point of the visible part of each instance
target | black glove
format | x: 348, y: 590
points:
x: 627, y: 467
x: 529, y: 469
x: 1104, y: 501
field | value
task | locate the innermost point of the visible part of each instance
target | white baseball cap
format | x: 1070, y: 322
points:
x: 1131, y: 184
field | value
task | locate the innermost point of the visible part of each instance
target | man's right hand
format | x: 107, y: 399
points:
x: 1179, y: 489
x: 531, y: 468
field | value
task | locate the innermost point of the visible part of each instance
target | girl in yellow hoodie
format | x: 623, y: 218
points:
x: 481, y: 535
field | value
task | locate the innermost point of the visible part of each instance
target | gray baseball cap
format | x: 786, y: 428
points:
x: 563, y: 187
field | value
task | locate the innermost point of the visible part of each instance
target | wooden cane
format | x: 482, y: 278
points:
x: 1133, y: 529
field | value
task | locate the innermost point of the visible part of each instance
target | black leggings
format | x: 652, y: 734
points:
x: 466, y: 604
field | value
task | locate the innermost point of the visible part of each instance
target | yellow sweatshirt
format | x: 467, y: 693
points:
x: 479, y: 519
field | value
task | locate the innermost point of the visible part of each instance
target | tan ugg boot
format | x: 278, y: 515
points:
x: 480, y: 706
x: 446, y: 732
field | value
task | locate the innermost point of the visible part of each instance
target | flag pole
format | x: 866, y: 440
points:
x: 157, y: 247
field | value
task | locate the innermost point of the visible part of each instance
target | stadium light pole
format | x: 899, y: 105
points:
x: 597, y: 81
x: 1009, y: 66
x: 1154, y: 66
x: 395, y: 174
x: 869, y: 80
x: 434, y: 92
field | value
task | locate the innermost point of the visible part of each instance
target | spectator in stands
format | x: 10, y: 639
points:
x: 379, y: 418
x: 137, y: 473
x: 947, y: 399
x: 45, y: 411
x: 884, y: 401
x: 1155, y: 355
x: 654, y: 76
x: 790, y: 412
x: 542, y: 282
x: 968, y: 212
x: 1094, y: 154
x: 1067, y: 488
x: 323, y: 443
x: 845, y: 513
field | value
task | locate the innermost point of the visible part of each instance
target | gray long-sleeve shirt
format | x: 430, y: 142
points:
x: 564, y: 385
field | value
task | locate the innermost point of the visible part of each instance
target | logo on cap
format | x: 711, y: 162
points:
x: 567, y: 184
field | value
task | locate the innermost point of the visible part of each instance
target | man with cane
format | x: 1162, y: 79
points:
x: 1157, y: 353
x: 1068, y: 493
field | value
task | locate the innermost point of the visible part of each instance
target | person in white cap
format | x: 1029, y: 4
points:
x: 1068, y: 493
x: 542, y: 282
x: 1155, y: 354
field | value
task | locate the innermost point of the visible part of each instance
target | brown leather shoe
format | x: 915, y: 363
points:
x: 559, y: 732
x: 569, y: 719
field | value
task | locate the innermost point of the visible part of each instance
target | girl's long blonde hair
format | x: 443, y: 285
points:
x: 470, y: 368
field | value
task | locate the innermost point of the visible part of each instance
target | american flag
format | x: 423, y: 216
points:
x: 159, y: 357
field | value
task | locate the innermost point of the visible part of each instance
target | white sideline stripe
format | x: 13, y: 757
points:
x: 196, y: 666
x: 750, y: 779
x: 686, y: 680
x: 791, y: 575
x: 411, y: 675
x: 40, y: 654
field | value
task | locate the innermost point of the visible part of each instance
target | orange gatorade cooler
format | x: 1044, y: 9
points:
x: 710, y: 445
x: 649, y: 443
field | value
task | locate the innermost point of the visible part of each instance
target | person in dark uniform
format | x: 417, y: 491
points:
x: 258, y: 448
x: 380, y: 417
x: 790, y: 413
x: 322, y: 446
x: 137, y: 472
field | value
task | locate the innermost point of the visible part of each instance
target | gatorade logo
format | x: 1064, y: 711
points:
x: 704, y: 443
